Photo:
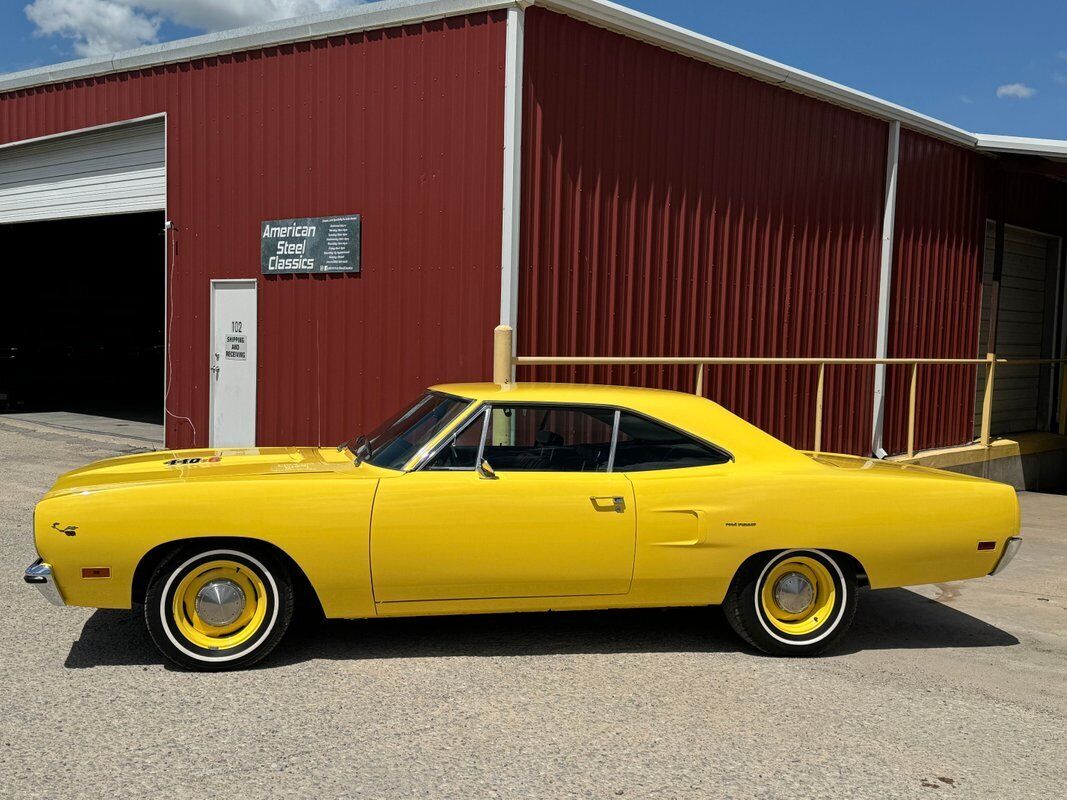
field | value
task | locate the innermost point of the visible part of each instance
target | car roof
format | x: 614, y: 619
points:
x: 558, y: 392
x: 688, y: 412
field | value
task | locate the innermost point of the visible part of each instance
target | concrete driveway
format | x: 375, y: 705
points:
x: 957, y: 690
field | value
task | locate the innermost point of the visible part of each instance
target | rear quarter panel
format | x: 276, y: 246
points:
x: 697, y: 527
x: 910, y: 525
x: 321, y: 520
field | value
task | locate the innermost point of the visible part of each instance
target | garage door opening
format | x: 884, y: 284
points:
x: 1028, y: 314
x: 82, y: 318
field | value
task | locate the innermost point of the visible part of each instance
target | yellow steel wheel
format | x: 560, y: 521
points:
x: 798, y: 595
x: 794, y: 602
x: 220, y: 604
x: 218, y: 607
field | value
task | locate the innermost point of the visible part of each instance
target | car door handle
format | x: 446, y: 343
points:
x: 616, y: 504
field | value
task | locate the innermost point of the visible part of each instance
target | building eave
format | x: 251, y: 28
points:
x: 602, y: 13
x: 1022, y: 145
x: 388, y: 14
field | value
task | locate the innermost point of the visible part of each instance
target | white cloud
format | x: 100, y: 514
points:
x: 216, y: 15
x: 1062, y: 55
x: 97, y: 27
x: 1017, y: 91
x: 966, y: 99
x: 1059, y: 77
x: 100, y: 27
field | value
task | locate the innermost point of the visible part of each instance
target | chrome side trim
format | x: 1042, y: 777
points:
x: 39, y: 574
x: 1011, y: 547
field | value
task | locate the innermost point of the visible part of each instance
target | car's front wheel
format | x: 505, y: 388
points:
x: 794, y: 603
x: 216, y: 608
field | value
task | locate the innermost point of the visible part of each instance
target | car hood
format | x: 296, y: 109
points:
x: 196, y: 465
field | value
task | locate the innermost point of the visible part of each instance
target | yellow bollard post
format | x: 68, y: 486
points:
x: 503, y: 351
x: 818, y: 407
x: 987, y: 398
x: 911, y: 409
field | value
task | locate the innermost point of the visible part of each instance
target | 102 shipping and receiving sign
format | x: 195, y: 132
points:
x: 236, y: 345
x: 309, y: 246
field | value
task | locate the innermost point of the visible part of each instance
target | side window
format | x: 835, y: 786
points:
x: 461, y: 451
x: 646, y: 445
x: 549, y: 439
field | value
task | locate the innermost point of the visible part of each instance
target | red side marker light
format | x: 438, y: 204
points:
x: 987, y: 545
x: 96, y: 572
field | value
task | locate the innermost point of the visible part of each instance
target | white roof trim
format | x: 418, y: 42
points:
x: 315, y: 26
x: 1049, y: 148
x: 598, y: 12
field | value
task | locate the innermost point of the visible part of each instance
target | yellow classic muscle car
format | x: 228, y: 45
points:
x: 479, y: 498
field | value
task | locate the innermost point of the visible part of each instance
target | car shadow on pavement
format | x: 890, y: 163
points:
x: 899, y: 619
x: 887, y: 619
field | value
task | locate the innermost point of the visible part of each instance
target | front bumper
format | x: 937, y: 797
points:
x: 1011, y: 547
x: 40, y: 575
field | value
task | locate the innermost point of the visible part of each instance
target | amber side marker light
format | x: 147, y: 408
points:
x: 987, y: 545
x: 96, y: 572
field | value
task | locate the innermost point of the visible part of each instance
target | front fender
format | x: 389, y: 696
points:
x: 321, y: 521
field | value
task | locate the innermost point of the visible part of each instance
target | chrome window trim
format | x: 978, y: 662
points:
x: 556, y: 405
x: 485, y: 408
x: 417, y: 457
x: 614, y: 440
x: 485, y: 433
x: 688, y: 434
x: 480, y: 410
x: 625, y: 410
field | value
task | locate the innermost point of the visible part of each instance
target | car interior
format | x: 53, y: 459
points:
x: 575, y: 440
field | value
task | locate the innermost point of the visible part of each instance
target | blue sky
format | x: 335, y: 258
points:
x: 946, y: 58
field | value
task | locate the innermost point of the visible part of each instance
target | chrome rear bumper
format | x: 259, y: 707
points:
x: 39, y: 574
x: 1011, y: 547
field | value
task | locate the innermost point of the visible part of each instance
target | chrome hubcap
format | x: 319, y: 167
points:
x: 794, y: 593
x: 220, y: 603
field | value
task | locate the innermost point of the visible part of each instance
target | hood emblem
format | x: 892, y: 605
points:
x: 69, y: 530
x: 185, y: 462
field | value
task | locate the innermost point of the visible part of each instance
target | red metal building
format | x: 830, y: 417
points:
x: 605, y: 183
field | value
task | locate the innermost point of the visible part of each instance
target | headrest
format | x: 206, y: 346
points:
x: 548, y: 439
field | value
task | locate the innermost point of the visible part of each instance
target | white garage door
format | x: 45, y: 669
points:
x: 112, y: 170
x: 1024, y: 328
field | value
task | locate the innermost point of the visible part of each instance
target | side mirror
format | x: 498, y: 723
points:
x: 486, y: 471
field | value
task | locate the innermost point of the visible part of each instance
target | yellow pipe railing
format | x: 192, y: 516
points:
x: 505, y: 362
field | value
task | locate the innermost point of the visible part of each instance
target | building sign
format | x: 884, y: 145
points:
x: 236, y: 347
x: 309, y: 246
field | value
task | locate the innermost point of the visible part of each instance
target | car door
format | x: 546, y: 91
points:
x: 547, y: 519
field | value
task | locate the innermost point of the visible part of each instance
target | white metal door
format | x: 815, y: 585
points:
x: 115, y: 169
x: 233, y: 363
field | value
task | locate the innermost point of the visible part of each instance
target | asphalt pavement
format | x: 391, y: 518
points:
x: 956, y: 690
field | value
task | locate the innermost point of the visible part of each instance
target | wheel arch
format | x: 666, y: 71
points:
x: 846, y: 560
x: 306, y: 595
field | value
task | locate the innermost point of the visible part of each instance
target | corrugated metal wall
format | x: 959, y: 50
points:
x: 403, y: 126
x: 674, y: 208
x: 937, y: 283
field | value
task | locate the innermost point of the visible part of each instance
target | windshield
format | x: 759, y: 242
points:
x: 397, y: 439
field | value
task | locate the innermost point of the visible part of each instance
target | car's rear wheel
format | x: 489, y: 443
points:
x: 794, y: 603
x: 217, y: 608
